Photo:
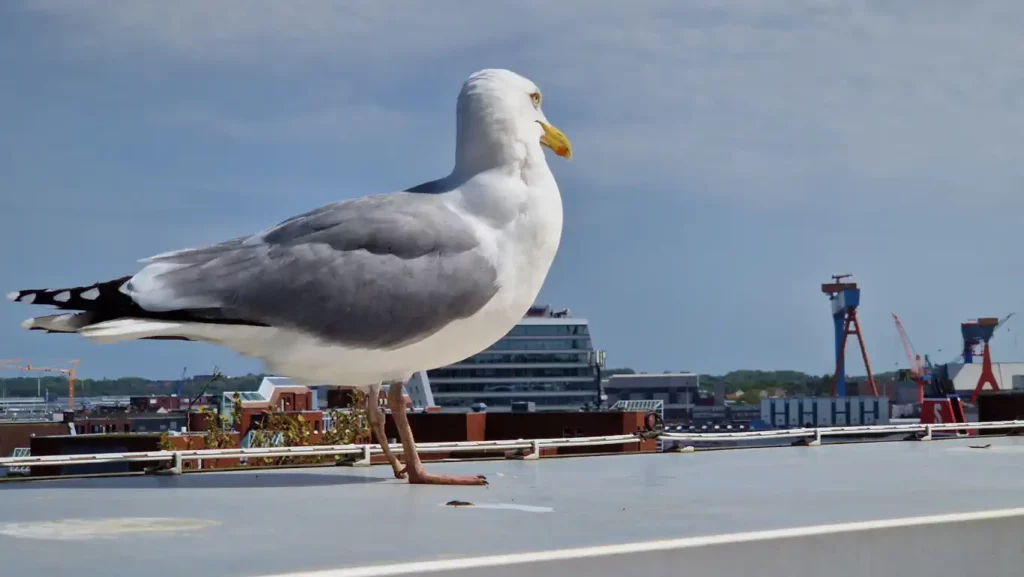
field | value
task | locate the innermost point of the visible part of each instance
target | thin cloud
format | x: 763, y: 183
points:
x: 366, y: 124
x: 776, y: 103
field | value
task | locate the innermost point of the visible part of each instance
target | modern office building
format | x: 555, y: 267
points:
x: 548, y: 359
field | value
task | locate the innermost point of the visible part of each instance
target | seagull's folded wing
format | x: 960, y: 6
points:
x: 376, y: 272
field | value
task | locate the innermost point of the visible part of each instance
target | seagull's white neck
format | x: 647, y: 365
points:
x: 519, y: 185
x: 483, y: 148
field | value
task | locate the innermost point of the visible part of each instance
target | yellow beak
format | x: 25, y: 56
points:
x: 555, y: 140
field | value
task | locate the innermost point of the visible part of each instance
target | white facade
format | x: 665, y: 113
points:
x: 547, y: 358
x: 418, y: 389
x: 965, y: 376
x: 796, y: 412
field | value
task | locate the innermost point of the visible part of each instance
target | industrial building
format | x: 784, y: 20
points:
x: 795, y: 412
x: 677, y: 391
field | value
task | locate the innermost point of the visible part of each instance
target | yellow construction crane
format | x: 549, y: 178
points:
x: 19, y: 365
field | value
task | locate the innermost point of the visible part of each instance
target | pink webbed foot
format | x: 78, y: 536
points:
x: 424, y: 478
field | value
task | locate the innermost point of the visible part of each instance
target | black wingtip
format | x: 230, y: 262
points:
x: 26, y: 296
x: 104, y: 301
x: 88, y: 297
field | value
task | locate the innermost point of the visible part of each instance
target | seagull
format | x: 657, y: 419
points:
x: 364, y: 293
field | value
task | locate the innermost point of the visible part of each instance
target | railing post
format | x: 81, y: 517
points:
x: 364, y: 461
x: 534, y: 451
x: 175, y: 468
x: 360, y: 460
x: 522, y: 455
x: 816, y: 441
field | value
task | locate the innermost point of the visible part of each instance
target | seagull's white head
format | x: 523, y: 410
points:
x: 500, y: 121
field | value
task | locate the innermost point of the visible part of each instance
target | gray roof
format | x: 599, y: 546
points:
x: 639, y: 405
x: 266, y: 522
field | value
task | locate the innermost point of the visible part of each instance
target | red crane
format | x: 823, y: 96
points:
x: 916, y: 365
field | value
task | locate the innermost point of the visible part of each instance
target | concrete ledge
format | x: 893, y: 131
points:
x: 979, y: 544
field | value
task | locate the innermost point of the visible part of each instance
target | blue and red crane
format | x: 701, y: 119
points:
x: 845, y: 298
x: 979, y: 332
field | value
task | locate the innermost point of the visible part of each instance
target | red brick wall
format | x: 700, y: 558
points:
x: 441, y: 427
x: 436, y: 427
x: 14, y: 435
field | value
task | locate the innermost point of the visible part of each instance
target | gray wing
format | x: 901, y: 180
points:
x: 378, y: 271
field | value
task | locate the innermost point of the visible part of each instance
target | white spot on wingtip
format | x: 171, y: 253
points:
x: 62, y: 297
x: 91, y: 294
x: 28, y: 299
x: 13, y: 295
x: 28, y: 323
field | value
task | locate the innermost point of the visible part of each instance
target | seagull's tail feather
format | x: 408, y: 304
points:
x: 134, y: 329
x: 62, y: 323
x: 104, y: 314
x: 108, y: 331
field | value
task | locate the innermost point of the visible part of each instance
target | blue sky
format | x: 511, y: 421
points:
x: 729, y: 156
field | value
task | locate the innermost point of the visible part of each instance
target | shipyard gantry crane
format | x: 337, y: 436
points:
x: 26, y: 366
x: 980, y: 331
x: 845, y: 298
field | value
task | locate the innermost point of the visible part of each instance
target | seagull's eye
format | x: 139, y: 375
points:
x: 535, y: 97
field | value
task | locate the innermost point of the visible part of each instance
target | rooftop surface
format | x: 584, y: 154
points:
x: 267, y: 522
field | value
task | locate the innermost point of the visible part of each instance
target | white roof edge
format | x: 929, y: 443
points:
x: 553, y: 321
x: 629, y: 375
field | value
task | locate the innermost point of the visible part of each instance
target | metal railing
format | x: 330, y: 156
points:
x: 812, y: 436
x: 815, y: 434
x: 176, y: 458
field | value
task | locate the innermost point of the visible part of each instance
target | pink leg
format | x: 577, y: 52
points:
x: 413, y: 465
x: 376, y: 418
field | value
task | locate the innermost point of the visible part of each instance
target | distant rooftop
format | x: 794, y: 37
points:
x: 545, y: 315
x: 547, y: 311
x: 265, y: 392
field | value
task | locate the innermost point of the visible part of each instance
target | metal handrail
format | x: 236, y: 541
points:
x: 367, y: 450
x: 838, y: 431
x: 310, y: 450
